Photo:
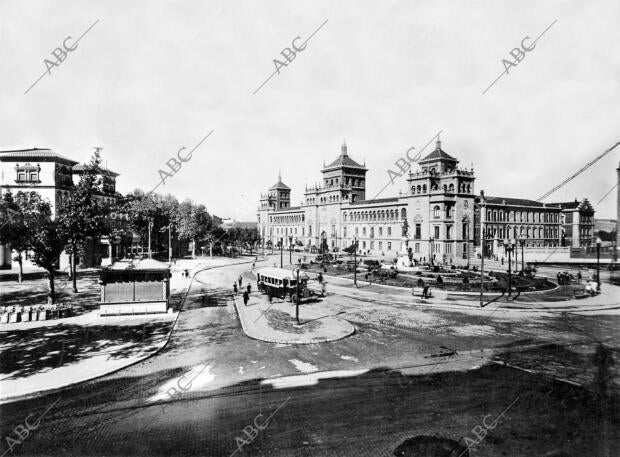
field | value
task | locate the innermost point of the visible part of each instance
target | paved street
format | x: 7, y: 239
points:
x: 407, y: 371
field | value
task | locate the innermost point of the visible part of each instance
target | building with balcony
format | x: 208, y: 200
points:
x: 433, y: 219
x: 41, y: 173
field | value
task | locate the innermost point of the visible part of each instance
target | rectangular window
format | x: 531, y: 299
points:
x: 417, y: 247
x: 364, y: 231
x: 389, y: 231
x: 448, y: 232
x: 389, y: 245
x: 418, y: 231
x: 436, y: 231
x: 364, y: 244
x: 372, y: 245
x: 380, y: 245
x: 380, y: 232
x: 448, y: 248
x: 357, y: 231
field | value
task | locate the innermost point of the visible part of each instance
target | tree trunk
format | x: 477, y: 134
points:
x: 20, y: 275
x: 211, y: 249
x: 51, y: 298
x: 73, y: 271
x: 194, y: 248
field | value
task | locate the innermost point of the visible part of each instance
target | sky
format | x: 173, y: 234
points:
x: 151, y: 77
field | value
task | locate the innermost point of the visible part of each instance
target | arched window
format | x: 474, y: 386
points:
x: 437, y: 212
x: 451, y: 188
x: 403, y: 213
x: 419, y: 188
x: 424, y: 188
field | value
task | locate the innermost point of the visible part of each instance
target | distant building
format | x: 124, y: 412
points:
x: 227, y: 224
x: 577, y: 223
x: 505, y: 218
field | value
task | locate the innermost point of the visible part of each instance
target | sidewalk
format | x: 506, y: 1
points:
x: 42, y: 356
x: 275, y: 322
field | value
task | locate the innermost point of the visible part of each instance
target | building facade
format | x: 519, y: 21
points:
x: 438, y: 218
x: 41, y: 173
x: 434, y: 219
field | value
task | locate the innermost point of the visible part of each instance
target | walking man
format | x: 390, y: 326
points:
x: 246, y: 298
x: 235, y: 287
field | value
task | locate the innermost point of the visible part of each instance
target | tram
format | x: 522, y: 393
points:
x: 282, y: 283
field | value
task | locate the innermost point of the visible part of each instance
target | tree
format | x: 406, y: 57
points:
x: 13, y: 228
x: 46, y: 240
x: 251, y: 237
x: 193, y: 223
x: 83, y: 216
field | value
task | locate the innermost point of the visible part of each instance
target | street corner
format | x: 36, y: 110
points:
x: 276, y: 322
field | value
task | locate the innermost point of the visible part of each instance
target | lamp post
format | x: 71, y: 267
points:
x: 355, y: 261
x: 290, y: 250
x: 297, y: 297
x: 598, y: 263
x: 281, y: 247
x: 430, y: 252
x: 150, y: 228
x: 509, y: 247
x: 522, y: 242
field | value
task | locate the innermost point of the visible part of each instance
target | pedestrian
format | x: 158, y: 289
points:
x: 559, y: 276
x: 320, y: 277
x: 502, y: 260
x: 269, y: 295
x: 246, y: 298
x: 579, y: 277
x: 186, y: 273
x: 240, y: 280
x: 253, y: 265
x: 235, y: 287
x: 425, y: 291
x: 249, y: 288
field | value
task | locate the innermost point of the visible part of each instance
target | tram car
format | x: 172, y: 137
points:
x: 282, y: 283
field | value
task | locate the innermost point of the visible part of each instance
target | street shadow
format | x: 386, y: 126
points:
x: 28, y: 351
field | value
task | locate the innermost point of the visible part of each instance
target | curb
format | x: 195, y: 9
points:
x: 274, y: 340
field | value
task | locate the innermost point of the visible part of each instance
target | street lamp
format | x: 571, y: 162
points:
x: 522, y: 242
x: 509, y: 246
x: 355, y: 260
x: 598, y: 263
x: 281, y: 247
x: 430, y: 252
x: 290, y: 250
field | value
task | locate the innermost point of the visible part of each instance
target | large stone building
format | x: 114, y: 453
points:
x: 434, y: 218
x: 439, y: 216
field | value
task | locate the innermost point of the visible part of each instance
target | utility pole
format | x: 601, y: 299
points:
x: 281, y: 246
x: 170, y: 243
x: 482, y: 243
x: 355, y: 261
x: 297, y: 299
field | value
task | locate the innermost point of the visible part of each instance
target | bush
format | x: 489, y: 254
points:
x: 420, y: 282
